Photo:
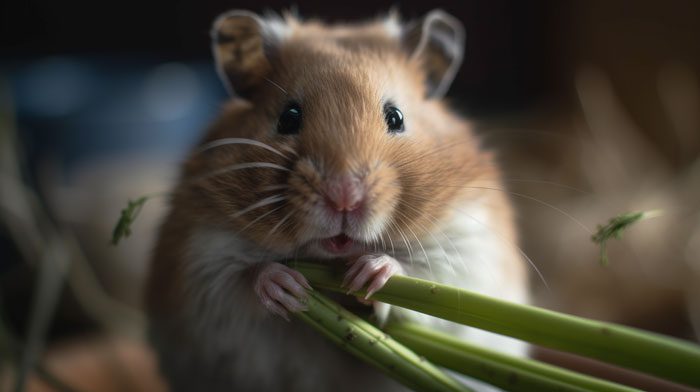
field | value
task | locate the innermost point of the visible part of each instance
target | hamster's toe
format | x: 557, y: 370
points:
x: 373, y: 270
x: 281, y: 289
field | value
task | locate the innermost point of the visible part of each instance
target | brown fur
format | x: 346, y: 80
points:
x: 341, y: 77
x: 341, y: 87
x: 343, y: 130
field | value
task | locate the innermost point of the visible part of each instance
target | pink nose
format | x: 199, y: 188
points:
x: 345, y: 193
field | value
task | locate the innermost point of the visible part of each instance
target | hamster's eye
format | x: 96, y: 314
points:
x: 290, y: 120
x: 394, y: 119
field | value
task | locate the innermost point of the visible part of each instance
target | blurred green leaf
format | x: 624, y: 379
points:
x: 128, y: 215
x: 615, y: 228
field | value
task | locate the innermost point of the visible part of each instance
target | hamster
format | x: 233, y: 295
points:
x: 336, y: 146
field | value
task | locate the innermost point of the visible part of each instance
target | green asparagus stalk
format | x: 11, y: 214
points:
x: 650, y: 353
x: 504, y: 371
x: 375, y: 347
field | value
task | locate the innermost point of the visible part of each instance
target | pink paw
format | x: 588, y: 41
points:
x: 373, y: 270
x: 281, y: 289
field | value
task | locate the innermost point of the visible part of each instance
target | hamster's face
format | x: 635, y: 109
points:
x: 338, y: 152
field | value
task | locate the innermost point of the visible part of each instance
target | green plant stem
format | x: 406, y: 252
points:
x: 650, y: 353
x: 504, y: 371
x: 375, y: 347
x: 615, y: 227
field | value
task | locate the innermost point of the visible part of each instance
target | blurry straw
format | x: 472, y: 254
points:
x: 52, y: 250
x: 52, y: 269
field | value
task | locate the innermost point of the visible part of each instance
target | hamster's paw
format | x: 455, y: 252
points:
x: 373, y: 270
x: 281, y: 289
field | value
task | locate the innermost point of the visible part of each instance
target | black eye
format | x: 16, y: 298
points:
x: 394, y: 119
x: 290, y: 120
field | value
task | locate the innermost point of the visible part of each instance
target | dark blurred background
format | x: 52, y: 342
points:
x: 593, y: 107
x: 507, y: 57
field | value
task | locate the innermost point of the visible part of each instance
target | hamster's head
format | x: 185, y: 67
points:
x: 336, y: 140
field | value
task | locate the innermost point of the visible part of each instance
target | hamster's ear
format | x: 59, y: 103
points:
x: 437, y: 41
x: 242, y: 43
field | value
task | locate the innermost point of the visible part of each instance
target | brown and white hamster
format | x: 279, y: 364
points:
x: 336, y: 146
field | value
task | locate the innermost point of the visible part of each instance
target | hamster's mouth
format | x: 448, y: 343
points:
x: 338, y: 244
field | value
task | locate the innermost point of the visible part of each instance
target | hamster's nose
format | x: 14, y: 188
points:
x: 344, y: 193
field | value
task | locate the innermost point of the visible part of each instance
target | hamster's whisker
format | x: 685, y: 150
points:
x: 254, y: 221
x: 268, y: 248
x: 420, y: 244
x: 240, y: 166
x: 391, y: 243
x: 436, y: 150
x: 516, y: 246
x: 380, y: 248
x: 545, y: 182
x: 276, y: 85
x: 381, y: 238
x: 539, y: 201
x: 289, y: 149
x: 266, y: 201
x: 280, y: 223
x: 425, y: 254
x: 405, y: 250
x: 274, y: 187
x: 375, y: 246
x: 537, y: 181
x: 405, y: 241
x: 372, y: 243
x: 433, y: 221
x: 461, y: 259
x: 436, y: 176
x: 505, y: 240
x: 392, y: 227
x: 227, y: 141
x: 521, y: 195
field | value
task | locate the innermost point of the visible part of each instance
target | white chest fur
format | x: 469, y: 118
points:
x: 226, y: 320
